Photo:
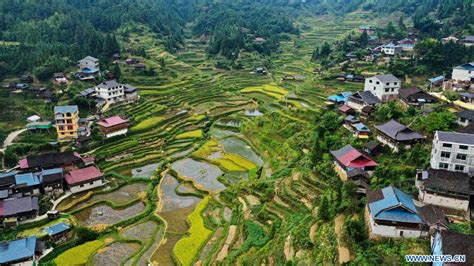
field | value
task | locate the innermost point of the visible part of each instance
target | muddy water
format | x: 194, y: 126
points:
x: 174, y: 209
x: 203, y: 175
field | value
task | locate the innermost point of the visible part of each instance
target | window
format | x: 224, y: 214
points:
x: 459, y: 167
x: 447, y: 145
x: 445, y: 154
x: 461, y: 156
x: 395, y: 83
x: 68, y: 114
x: 443, y: 165
x: 61, y: 128
x: 463, y: 120
x: 393, y: 89
x: 69, y: 121
x: 377, y: 82
x: 463, y: 147
x: 91, y: 183
x: 82, y: 185
x: 387, y: 90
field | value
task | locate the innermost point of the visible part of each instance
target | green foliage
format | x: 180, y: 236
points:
x: 442, y: 120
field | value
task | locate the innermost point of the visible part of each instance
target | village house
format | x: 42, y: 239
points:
x: 350, y: 120
x: 259, y: 40
x: 139, y: 66
x: 449, y: 39
x: 111, y: 91
x: 447, y: 242
x: 361, y: 131
x: 27, y: 184
x: 17, y: 209
x: 361, y: 99
x: 84, y: 179
x: 393, y: 213
x: 88, y: 62
x: 67, y: 121
x: 415, y: 97
x: 407, y: 44
x: 132, y: 61
x: 435, y: 82
x: 368, y: 29
x: 464, y: 73
x: 7, y: 182
x: 371, y: 148
x: 19, y: 252
x: 396, y: 135
x: 385, y: 87
x: 453, y: 151
x: 52, y: 180
x: 113, y: 126
x: 447, y: 189
x: 65, y: 160
x: 59, y: 79
x: 58, y: 233
x: 391, y: 49
x: 465, y: 117
x: 348, y: 159
x: 467, y: 97
x: 131, y: 93
x: 340, y: 97
x: 468, y: 40
x: 346, y: 110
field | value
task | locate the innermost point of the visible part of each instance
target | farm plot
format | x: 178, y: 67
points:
x: 78, y: 255
x: 203, y: 175
x: 105, y: 215
x: 237, y: 146
x: 115, y: 253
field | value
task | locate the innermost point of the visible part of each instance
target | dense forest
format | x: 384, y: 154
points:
x: 45, y: 36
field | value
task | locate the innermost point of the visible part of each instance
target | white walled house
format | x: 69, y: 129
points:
x: 111, y: 91
x: 393, y: 213
x: 84, y: 179
x: 444, y: 188
x: 453, y: 151
x: 464, y: 72
x: 88, y: 62
x: 465, y: 117
x: 392, y: 49
x: 385, y: 87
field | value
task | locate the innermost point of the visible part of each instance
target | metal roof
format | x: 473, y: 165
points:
x: 395, y: 206
x: 28, y: 179
x: 17, y: 250
x: 57, y: 228
x: 455, y: 137
x: 66, y: 109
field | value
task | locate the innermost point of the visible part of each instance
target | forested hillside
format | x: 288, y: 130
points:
x: 45, y: 36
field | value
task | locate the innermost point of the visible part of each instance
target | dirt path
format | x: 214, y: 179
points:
x: 225, y: 249
x: 10, y: 138
x: 344, y: 253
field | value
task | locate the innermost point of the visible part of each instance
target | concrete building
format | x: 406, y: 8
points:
x: 464, y: 72
x: 67, y: 121
x: 385, y: 87
x: 453, y: 151
x: 392, y: 49
x: 111, y: 91
x: 88, y: 62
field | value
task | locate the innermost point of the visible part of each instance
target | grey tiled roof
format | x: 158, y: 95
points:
x: 398, y: 132
x: 449, y: 181
x: 467, y: 114
x: 387, y: 78
x: 456, y: 137
x: 109, y: 84
x: 366, y: 96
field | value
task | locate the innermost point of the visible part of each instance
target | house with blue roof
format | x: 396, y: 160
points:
x: 58, y: 232
x: 17, y: 251
x: 340, y: 97
x: 393, y: 213
x: 28, y: 183
x: 361, y: 131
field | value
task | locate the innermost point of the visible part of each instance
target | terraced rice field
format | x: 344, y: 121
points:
x: 247, y: 119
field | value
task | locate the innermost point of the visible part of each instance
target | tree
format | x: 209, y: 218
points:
x: 117, y: 72
x: 363, y: 39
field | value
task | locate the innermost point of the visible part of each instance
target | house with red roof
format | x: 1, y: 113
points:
x: 348, y: 159
x: 113, y: 126
x: 84, y: 179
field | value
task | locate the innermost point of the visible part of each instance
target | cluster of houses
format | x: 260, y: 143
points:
x: 446, y: 189
x: 50, y: 173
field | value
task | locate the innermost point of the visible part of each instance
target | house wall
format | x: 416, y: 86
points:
x: 67, y: 125
x: 384, y: 91
x: 111, y: 95
x: 443, y: 201
x: 462, y: 74
x: 86, y: 186
x: 340, y: 171
x: 384, y: 141
x: 88, y: 63
x: 436, y: 158
x: 393, y: 231
x: 463, y: 122
x: 355, y: 106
